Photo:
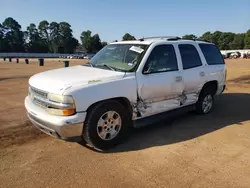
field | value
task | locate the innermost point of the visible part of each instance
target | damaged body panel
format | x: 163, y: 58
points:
x: 158, y: 92
x: 144, y: 108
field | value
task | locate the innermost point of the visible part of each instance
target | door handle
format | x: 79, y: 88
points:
x: 202, y: 74
x: 178, y: 78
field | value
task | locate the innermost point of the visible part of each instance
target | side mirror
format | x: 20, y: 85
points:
x: 146, y: 69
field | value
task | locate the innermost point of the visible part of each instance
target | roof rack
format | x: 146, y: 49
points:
x: 161, y: 37
x: 198, y: 39
x: 203, y: 40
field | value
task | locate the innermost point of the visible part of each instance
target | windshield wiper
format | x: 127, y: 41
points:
x: 105, y: 65
x: 111, y: 68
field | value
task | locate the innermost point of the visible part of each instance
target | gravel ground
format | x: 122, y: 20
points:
x: 190, y: 151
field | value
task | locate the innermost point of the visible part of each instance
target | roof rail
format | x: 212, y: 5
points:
x: 203, y: 40
x: 161, y: 37
x: 198, y: 39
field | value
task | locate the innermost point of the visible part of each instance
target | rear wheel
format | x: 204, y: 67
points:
x: 107, y: 125
x: 205, y: 102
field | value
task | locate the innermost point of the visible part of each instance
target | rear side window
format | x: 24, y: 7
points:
x: 189, y: 56
x: 212, y: 54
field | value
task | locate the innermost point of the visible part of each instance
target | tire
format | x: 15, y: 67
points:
x: 206, y: 94
x: 92, y: 131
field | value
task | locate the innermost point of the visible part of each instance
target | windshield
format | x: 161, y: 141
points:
x: 119, y: 57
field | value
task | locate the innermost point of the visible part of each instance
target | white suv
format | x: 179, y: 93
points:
x: 125, y: 81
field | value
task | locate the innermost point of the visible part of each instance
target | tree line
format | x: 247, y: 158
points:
x: 46, y: 37
x: 225, y: 40
x: 57, y: 37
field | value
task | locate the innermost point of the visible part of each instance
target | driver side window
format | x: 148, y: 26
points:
x: 161, y: 59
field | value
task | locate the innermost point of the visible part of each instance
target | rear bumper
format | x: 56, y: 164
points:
x: 63, y: 127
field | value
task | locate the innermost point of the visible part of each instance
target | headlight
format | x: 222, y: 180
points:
x: 66, y: 99
x: 63, y: 99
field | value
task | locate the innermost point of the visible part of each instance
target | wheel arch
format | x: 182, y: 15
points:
x: 122, y: 100
x: 211, y: 85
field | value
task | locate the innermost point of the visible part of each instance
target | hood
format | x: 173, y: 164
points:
x: 58, y: 80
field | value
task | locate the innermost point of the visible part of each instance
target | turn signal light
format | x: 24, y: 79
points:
x: 68, y: 112
x: 61, y: 112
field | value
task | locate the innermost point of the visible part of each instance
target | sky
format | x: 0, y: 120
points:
x: 111, y: 19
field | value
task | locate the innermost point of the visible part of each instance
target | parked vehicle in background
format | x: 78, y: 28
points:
x: 235, y: 55
x: 89, y: 56
x: 81, y: 56
x: 247, y: 55
x: 124, y: 84
x: 76, y: 56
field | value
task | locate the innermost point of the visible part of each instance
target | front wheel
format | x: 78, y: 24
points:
x: 205, y: 102
x: 106, y: 125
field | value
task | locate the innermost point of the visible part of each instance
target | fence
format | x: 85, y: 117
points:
x: 33, y: 55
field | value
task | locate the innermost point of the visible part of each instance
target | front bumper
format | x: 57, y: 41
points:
x: 63, y: 127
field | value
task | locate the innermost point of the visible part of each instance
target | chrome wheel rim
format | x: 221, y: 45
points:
x: 207, y: 103
x: 109, y: 125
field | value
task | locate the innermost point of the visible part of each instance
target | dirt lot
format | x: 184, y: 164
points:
x: 191, y: 151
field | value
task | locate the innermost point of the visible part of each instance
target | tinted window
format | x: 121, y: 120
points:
x: 212, y: 54
x: 189, y: 56
x: 161, y: 59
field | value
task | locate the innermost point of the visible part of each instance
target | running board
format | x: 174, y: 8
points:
x: 162, y: 116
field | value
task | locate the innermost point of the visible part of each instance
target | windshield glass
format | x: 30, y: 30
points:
x: 119, y: 57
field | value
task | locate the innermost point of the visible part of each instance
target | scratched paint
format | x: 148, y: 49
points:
x: 160, y: 104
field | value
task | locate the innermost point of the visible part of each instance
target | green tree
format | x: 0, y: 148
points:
x: 66, y: 33
x: 35, y: 42
x: 86, y: 40
x: 2, y: 39
x: 238, y: 42
x: 58, y: 36
x: 215, y: 38
x: 225, y: 39
x: 207, y: 36
x: 43, y: 29
x: 67, y: 43
x: 189, y: 37
x: 247, y: 40
x: 54, y: 36
x: 127, y: 36
x: 13, y: 35
x: 91, y: 43
x: 211, y: 37
x: 96, y: 44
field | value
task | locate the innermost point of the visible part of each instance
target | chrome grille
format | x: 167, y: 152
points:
x: 37, y: 96
x: 38, y: 92
x: 40, y: 103
x: 40, y: 98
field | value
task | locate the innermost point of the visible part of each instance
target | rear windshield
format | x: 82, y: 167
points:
x: 212, y: 54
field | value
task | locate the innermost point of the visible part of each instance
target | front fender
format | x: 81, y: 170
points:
x: 86, y: 96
